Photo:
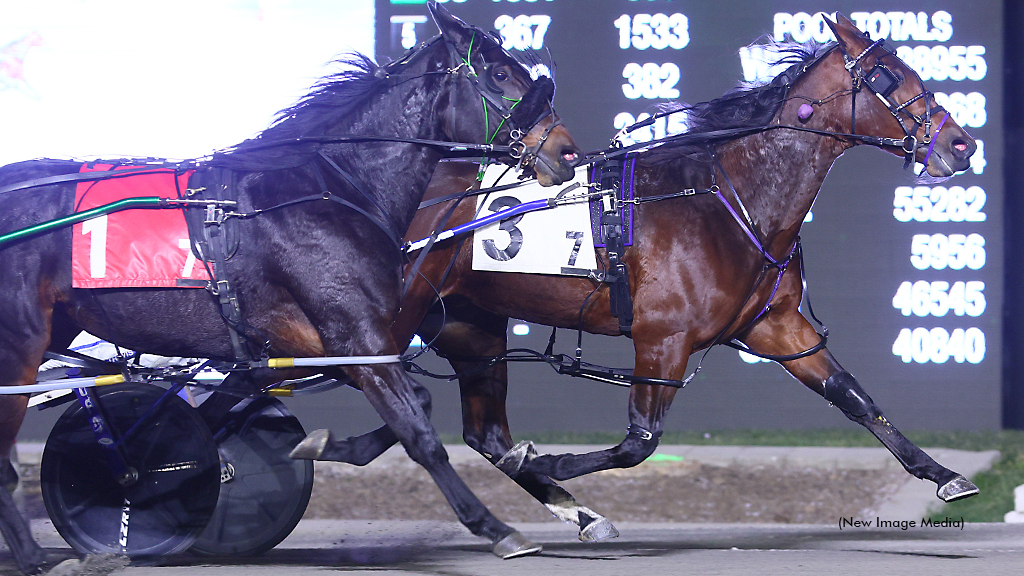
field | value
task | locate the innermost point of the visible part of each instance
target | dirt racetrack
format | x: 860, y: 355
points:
x: 658, y: 491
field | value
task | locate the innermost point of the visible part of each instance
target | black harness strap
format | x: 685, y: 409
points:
x: 411, y: 276
x: 83, y: 177
x: 327, y: 195
x: 822, y: 337
x: 212, y: 246
x: 476, y: 192
x: 620, y: 299
x: 381, y: 219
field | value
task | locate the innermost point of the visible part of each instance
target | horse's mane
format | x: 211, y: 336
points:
x: 332, y: 97
x: 749, y: 105
x: 329, y: 100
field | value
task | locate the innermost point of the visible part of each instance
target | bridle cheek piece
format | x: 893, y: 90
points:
x: 522, y: 115
x: 882, y: 82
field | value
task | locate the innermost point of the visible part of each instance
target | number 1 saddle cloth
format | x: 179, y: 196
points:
x: 138, y: 248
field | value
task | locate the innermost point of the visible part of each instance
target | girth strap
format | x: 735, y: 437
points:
x: 213, y: 245
x: 620, y: 299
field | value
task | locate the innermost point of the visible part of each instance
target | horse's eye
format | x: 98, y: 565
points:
x: 500, y: 76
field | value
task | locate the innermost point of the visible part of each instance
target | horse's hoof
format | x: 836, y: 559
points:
x: 512, y: 462
x: 515, y: 545
x: 600, y: 529
x: 312, y: 446
x: 957, y: 489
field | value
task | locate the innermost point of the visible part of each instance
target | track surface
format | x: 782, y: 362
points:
x: 413, y: 548
x: 445, y: 548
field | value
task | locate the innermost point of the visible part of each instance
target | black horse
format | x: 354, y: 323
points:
x: 314, y: 277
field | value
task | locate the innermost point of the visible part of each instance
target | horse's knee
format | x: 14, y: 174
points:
x: 844, y: 392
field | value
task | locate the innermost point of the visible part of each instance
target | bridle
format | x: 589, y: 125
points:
x: 882, y: 82
x: 520, y: 115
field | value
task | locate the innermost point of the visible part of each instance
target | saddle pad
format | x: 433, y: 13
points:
x: 541, y: 242
x: 139, y: 248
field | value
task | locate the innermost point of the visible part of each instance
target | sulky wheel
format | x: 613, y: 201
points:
x: 263, y: 492
x: 174, y: 495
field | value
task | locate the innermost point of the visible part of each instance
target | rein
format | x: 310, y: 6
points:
x: 882, y: 82
x: 879, y: 80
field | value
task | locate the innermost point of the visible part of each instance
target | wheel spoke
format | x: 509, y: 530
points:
x: 172, y: 446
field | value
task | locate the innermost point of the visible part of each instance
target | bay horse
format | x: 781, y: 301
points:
x: 700, y: 274
x: 313, y: 278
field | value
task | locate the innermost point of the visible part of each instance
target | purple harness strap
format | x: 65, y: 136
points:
x: 780, y: 264
x: 931, y: 145
x: 746, y: 229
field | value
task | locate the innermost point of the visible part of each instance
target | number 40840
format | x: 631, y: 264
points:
x: 939, y: 346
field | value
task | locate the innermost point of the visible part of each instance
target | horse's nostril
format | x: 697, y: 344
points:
x: 570, y: 156
x: 961, y: 148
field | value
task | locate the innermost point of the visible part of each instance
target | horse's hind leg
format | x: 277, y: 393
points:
x: 390, y: 392
x: 658, y: 355
x: 485, y: 422
x: 782, y: 333
x: 356, y: 450
x: 27, y: 553
x: 20, y: 355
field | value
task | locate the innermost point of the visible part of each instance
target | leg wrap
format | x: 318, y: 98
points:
x: 842, y: 390
x: 638, y: 445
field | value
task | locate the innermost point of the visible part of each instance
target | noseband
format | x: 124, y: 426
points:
x: 882, y: 82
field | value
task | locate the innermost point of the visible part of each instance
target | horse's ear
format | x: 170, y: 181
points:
x: 455, y: 31
x: 844, y: 30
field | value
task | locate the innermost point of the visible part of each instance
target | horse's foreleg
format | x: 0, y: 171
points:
x: 485, y: 422
x: 390, y: 392
x: 785, y: 333
x: 27, y: 553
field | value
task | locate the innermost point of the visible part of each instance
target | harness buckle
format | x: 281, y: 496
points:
x: 689, y: 191
x: 459, y: 67
x: 517, y: 149
x: 214, y: 215
x: 909, y: 144
x: 640, y: 432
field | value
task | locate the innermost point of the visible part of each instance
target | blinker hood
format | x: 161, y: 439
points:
x: 535, y: 104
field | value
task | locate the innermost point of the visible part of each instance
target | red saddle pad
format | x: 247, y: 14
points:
x: 139, y: 248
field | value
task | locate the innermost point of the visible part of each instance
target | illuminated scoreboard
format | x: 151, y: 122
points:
x: 907, y: 275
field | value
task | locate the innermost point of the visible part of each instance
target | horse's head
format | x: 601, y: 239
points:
x: 892, y: 102
x: 495, y: 100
